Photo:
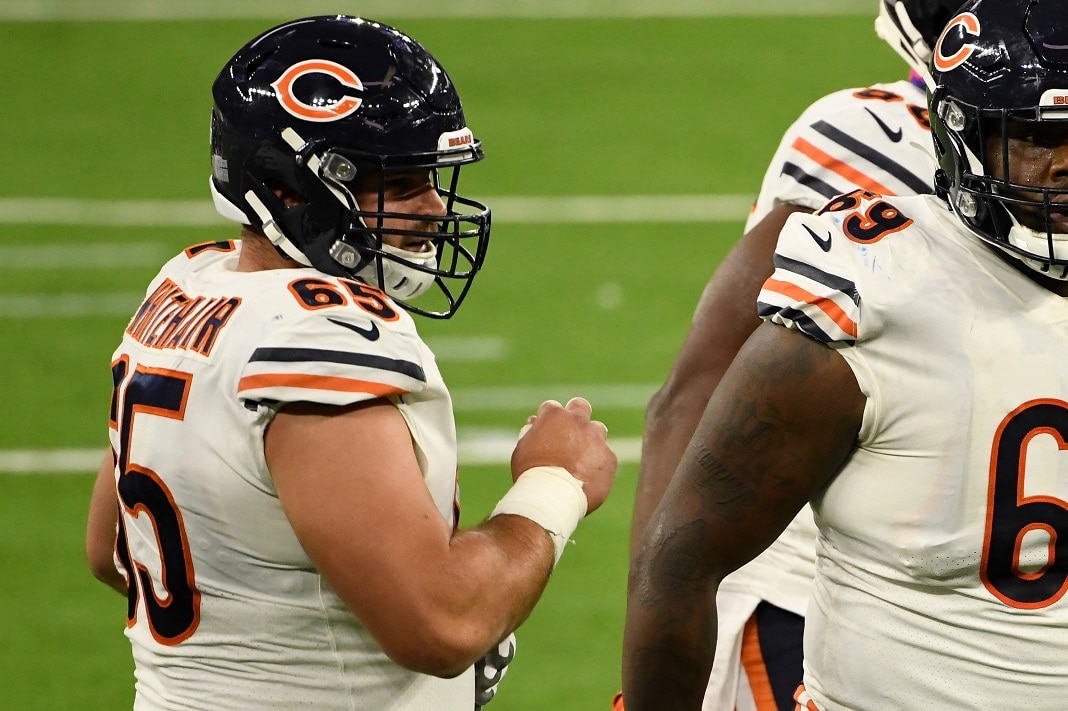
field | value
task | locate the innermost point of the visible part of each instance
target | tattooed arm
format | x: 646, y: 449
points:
x: 779, y: 426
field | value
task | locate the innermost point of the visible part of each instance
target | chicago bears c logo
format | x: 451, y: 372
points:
x: 970, y: 24
x: 333, y: 108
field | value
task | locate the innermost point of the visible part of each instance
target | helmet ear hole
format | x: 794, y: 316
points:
x: 288, y: 196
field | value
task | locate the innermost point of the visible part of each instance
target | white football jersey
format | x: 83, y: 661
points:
x: 940, y: 560
x: 226, y: 610
x: 876, y: 138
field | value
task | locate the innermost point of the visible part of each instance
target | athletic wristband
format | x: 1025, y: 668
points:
x: 551, y: 498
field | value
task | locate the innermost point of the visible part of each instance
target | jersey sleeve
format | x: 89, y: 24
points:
x: 868, y: 138
x: 337, y: 356
x: 812, y: 289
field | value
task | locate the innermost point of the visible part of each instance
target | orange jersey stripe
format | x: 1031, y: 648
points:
x: 755, y: 671
x: 833, y: 310
x: 843, y: 169
x: 318, y: 382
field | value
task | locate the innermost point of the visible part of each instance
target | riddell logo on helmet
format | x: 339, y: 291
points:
x: 969, y: 23
x: 457, y: 141
x: 337, y: 109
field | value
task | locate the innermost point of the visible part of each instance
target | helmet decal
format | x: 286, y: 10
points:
x: 970, y: 25
x: 332, y: 109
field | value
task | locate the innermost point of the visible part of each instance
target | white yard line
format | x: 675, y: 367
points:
x: 139, y: 10
x: 606, y: 209
x: 108, y: 213
x: 50, y: 461
x: 95, y: 255
x: 68, y: 305
x: 489, y: 448
x: 468, y: 349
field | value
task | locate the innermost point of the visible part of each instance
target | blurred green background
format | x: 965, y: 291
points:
x: 97, y: 113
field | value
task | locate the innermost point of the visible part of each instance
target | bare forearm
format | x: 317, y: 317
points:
x: 449, y: 606
x: 505, y: 562
x: 436, y: 600
x: 670, y: 634
x: 671, y: 419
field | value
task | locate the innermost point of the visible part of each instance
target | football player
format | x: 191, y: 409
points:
x: 279, y: 501
x: 876, y: 138
x: 909, y: 381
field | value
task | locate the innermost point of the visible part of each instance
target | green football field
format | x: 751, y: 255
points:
x: 621, y: 154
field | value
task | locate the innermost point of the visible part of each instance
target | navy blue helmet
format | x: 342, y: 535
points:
x: 316, y: 106
x: 1000, y: 74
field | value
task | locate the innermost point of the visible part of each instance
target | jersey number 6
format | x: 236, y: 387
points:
x: 1012, y: 516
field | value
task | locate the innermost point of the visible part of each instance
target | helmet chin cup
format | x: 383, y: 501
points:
x: 404, y: 274
x: 1027, y: 242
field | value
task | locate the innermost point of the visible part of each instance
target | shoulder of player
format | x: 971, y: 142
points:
x: 860, y: 249
x: 864, y: 220
x: 319, y: 338
x: 189, y: 263
x: 874, y: 113
x: 332, y: 305
x: 861, y: 238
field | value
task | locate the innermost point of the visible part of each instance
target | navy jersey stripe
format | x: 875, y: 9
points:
x: 807, y: 270
x: 803, y: 323
x: 906, y: 176
x: 300, y: 355
x: 813, y: 183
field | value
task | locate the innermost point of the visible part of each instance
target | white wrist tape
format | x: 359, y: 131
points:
x: 551, y: 498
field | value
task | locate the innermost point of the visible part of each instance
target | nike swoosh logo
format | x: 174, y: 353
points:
x: 825, y: 244
x: 893, y: 135
x: 371, y: 334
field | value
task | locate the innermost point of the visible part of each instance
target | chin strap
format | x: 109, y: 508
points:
x: 273, y: 231
x: 270, y: 228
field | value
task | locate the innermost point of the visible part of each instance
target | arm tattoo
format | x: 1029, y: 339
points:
x: 721, y: 487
